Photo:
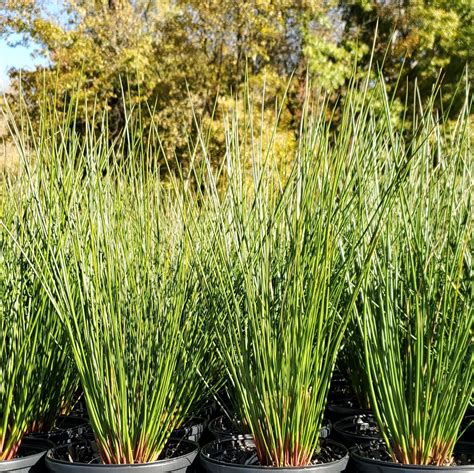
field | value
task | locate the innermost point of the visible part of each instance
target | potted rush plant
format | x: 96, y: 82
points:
x: 121, y: 278
x: 22, y: 345
x: 278, y: 282
x: 37, y: 376
x: 417, y: 315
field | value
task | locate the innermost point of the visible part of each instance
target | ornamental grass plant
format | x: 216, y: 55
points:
x: 246, y: 273
x: 280, y: 249
x: 416, y: 312
x: 38, y: 379
x: 19, y: 340
x: 118, y: 271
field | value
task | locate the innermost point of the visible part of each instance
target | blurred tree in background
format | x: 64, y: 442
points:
x: 430, y: 38
x: 187, y: 60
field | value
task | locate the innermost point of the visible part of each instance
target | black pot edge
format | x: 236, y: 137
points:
x: 50, y: 462
x: 27, y: 461
x: 194, y: 430
x: 342, y: 461
x: 379, y: 466
x: 344, y: 411
x: 219, y: 435
x: 354, y: 438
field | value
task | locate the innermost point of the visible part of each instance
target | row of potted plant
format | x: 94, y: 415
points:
x: 149, y: 297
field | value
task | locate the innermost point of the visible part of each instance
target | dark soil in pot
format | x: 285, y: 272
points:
x: 239, y: 455
x: 191, y: 430
x: 67, y: 429
x: 338, y: 409
x: 356, y: 429
x: 223, y: 428
x: 30, y: 457
x: 373, y: 457
x: 177, y: 457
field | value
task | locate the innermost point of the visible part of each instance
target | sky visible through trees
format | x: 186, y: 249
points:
x: 14, y: 53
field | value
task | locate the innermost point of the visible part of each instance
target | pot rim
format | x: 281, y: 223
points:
x: 225, y: 435
x: 339, y: 428
x: 333, y: 407
x: 164, y: 461
x: 204, y: 457
x: 37, y: 451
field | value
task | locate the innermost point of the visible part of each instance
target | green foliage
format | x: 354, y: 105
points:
x: 267, y: 259
x: 38, y: 380
x: 415, y: 314
x: 20, y: 337
x: 112, y: 256
x: 279, y: 246
x: 180, y: 58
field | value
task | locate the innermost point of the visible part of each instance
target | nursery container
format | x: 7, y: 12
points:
x: 214, y: 465
x: 356, y: 429
x: 30, y: 457
x: 223, y: 428
x: 191, y: 430
x: 338, y: 409
x: 465, y: 443
x: 208, y: 411
x: 66, y: 430
x: 363, y: 464
x: 178, y: 464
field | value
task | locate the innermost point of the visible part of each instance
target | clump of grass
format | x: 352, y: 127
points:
x: 279, y: 250
x: 119, y: 272
x: 37, y: 376
x: 416, y: 313
x: 19, y: 339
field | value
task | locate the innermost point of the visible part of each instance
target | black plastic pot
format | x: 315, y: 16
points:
x: 465, y: 443
x: 67, y: 430
x: 355, y: 430
x: 344, y: 407
x: 29, y: 459
x: 222, y: 428
x: 191, y: 430
x: 179, y: 464
x: 213, y: 465
x: 362, y: 464
x: 326, y: 429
